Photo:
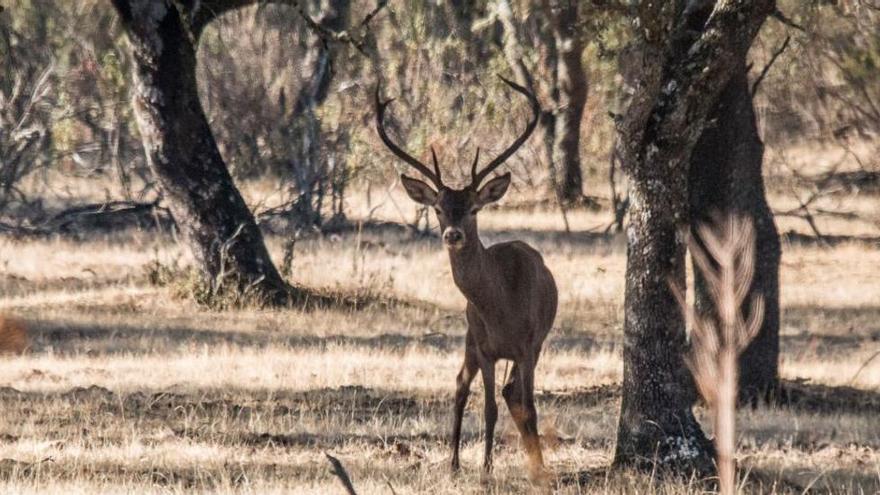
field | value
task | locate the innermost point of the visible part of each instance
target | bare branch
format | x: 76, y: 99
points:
x: 779, y: 16
x: 767, y: 67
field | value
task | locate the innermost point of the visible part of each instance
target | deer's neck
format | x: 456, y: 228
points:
x: 470, y: 271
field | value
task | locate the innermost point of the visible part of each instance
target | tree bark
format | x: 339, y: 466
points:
x: 679, y: 68
x: 572, y: 88
x: 726, y: 178
x: 227, y: 244
x: 656, y: 422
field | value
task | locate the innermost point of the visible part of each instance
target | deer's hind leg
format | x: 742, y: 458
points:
x: 519, y: 394
x: 462, y: 390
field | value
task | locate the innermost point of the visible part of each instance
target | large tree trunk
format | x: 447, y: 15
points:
x: 656, y: 421
x: 220, y: 229
x: 678, y: 67
x: 725, y: 178
x: 571, y: 98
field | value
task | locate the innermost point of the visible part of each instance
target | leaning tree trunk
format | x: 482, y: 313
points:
x: 725, y: 178
x: 571, y: 98
x: 679, y: 67
x: 181, y: 151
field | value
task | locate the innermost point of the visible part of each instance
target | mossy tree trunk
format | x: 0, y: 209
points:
x: 679, y: 69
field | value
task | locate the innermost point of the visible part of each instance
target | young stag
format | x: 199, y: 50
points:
x: 511, y: 295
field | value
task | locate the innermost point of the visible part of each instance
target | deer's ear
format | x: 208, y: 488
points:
x: 418, y: 191
x: 493, y: 190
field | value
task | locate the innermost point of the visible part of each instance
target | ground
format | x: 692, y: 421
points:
x: 129, y: 387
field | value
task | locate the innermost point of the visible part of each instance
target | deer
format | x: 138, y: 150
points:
x: 511, y: 294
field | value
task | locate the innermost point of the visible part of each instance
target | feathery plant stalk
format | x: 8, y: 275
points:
x: 725, y: 255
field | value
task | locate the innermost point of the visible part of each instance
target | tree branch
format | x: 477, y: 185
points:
x: 767, y: 67
x: 779, y: 16
x: 206, y: 11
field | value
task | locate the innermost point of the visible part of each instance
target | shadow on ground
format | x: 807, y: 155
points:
x: 75, y: 338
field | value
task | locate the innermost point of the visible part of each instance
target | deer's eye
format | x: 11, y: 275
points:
x: 474, y: 211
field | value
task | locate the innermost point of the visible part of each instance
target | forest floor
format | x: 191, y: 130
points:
x: 129, y: 387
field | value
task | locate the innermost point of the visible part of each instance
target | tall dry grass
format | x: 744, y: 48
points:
x: 725, y: 255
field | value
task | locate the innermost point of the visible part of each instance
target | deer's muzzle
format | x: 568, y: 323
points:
x: 453, y: 237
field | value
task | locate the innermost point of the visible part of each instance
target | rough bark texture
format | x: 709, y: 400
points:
x: 725, y: 178
x: 678, y: 70
x: 182, y: 153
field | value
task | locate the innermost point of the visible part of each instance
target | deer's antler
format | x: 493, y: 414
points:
x: 477, y: 177
x: 403, y: 155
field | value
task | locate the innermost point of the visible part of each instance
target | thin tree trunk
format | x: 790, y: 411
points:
x: 726, y: 178
x: 308, y: 167
x: 513, y: 52
x: 227, y: 244
x: 571, y: 89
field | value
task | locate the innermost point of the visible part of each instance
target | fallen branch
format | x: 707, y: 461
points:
x: 97, y: 215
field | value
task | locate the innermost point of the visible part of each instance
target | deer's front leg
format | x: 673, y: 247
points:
x: 462, y: 390
x: 490, y: 411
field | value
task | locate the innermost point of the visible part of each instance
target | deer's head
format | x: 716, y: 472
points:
x: 457, y: 208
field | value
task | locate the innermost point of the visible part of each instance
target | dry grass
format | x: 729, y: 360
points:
x: 129, y: 389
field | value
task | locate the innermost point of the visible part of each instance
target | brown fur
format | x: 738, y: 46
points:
x: 13, y: 336
x: 511, y: 295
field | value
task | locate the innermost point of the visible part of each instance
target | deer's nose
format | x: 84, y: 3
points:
x: 453, y: 236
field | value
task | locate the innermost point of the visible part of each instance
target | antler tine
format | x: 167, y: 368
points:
x: 403, y: 155
x: 474, y: 167
x: 436, y: 165
x: 536, y: 110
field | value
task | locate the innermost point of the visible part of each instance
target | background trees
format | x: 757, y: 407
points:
x: 229, y: 97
